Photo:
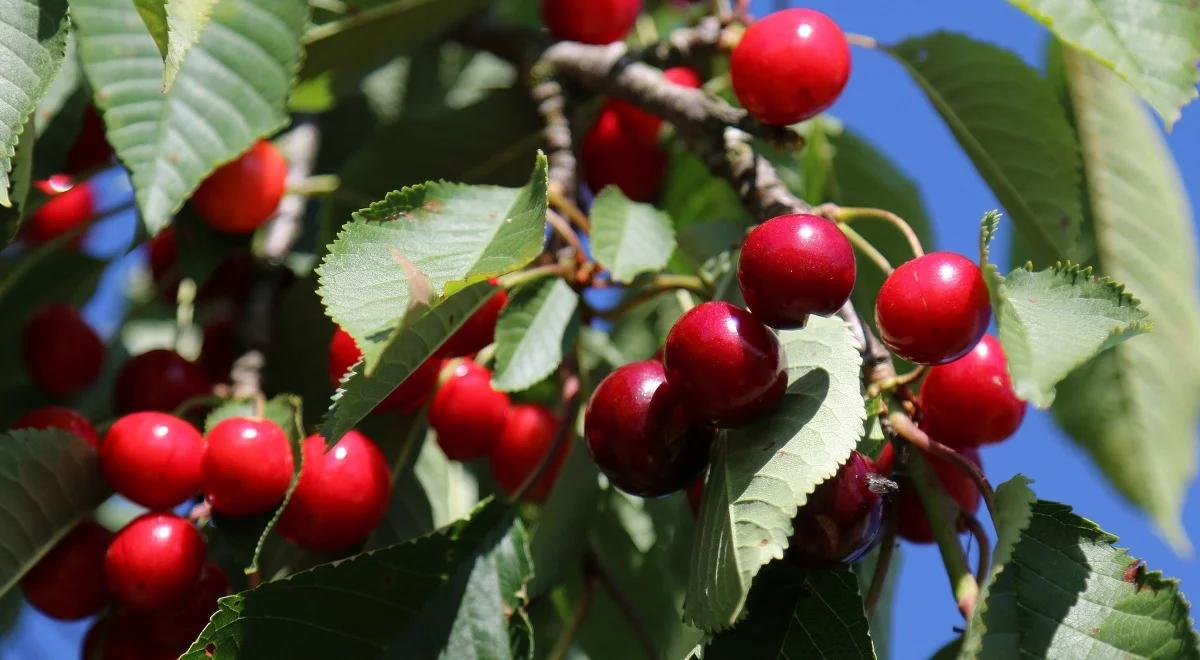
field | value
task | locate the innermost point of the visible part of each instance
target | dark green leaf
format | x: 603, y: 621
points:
x: 629, y: 238
x: 559, y: 537
x: 20, y: 178
x: 537, y: 326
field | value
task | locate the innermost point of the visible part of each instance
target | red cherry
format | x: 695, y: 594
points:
x: 467, y: 414
x: 970, y: 401
x: 933, y: 309
x: 58, y: 417
x: 640, y: 434
x: 122, y: 636
x: 795, y: 265
x: 644, y: 125
x: 613, y: 156
x: 153, y: 459
x: 407, y: 397
x: 69, y: 206
x: 218, y: 351
x: 840, y: 521
x: 479, y: 330
x: 727, y: 366
x: 243, y: 194
x: 528, y: 433
x: 590, y: 21
x: 61, y: 352
x: 789, y: 66
x: 91, y: 147
x: 247, y: 466
x: 178, y: 626
x: 695, y: 495
x: 68, y: 582
x: 913, y: 523
x: 342, y: 494
x: 159, y: 379
x: 154, y: 561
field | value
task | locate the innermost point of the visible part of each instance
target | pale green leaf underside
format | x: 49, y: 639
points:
x: 1153, y: 44
x: 231, y: 90
x: 1134, y: 409
x: 761, y: 474
x: 186, y: 21
x: 629, y: 238
x: 531, y: 333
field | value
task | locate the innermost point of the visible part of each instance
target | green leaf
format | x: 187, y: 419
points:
x: 1154, y: 45
x: 629, y: 238
x: 537, y: 326
x: 21, y: 179
x: 154, y: 16
x: 34, y: 35
x: 186, y: 21
x: 423, y: 242
x: 1007, y: 119
x: 797, y: 613
x: 297, y: 357
x: 761, y: 474
x: 1065, y: 591
x: 49, y: 481
x: 559, y: 538
x: 1144, y: 237
x: 231, y: 90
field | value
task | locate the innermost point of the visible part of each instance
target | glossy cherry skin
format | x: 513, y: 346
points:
x: 590, y: 21
x: 153, y: 459
x: 614, y: 156
x: 795, y: 265
x: 840, y: 521
x: 970, y: 401
x: 158, y: 379
x: 154, y: 561
x: 61, y: 352
x: 479, y: 330
x: 58, y: 417
x: 407, y: 397
x: 528, y: 433
x: 643, y: 125
x: 640, y: 434
x: 67, y: 583
x: 933, y: 309
x: 467, y: 413
x: 789, y: 66
x: 70, y: 205
x: 342, y: 494
x: 91, y: 147
x: 727, y: 365
x: 913, y: 523
x: 247, y: 466
x: 242, y: 195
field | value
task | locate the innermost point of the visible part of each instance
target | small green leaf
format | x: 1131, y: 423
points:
x: 536, y: 327
x: 629, y: 238
x: 761, y: 474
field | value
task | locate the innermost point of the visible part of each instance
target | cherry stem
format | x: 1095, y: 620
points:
x: 513, y: 280
x: 861, y: 40
x: 316, y: 185
x: 887, y: 549
x: 846, y: 214
x: 866, y: 248
x: 896, y: 382
x: 568, y: 208
x: 572, y: 397
x: 625, y: 605
x: 563, y: 228
x: 656, y: 286
x: 981, y: 539
x: 904, y: 427
x: 563, y: 644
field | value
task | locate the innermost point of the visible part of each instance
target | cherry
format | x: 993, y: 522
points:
x: 467, y: 414
x: 68, y: 582
x: 479, y: 330
x: 61, y: 352
x: 407, y: 397
x: 243, y: 194
x: 913, y: 523
x: 590, y: 21
x: 727, y: 366
x: 840, y: 521
x: 159, y: 379
x: 91, y: 147
x: 218, y: 350
x: 176, y: 627
x: 795, y: 265
x: 153, y: 459
x: 122, y: 636
x: 342, y: 494
x: 69, y: 206
x: 58, y: 417
x: 933, y: 309
x: 789, y: 66
x: 643, y: 125
x: 154, y: 561
x: 640, y: 434
x: 614, y: 156
x: 247, y: 466
x: 970, y: 401
x: 528, y: 433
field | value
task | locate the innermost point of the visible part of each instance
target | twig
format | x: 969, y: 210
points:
x: 688, y: 45
x: 904, y: 427
x: 563, y: 644
x: 573, y: 398
x: 563, y: 229
x: 625, y: 605
x: 861, y: 40
x: 981, y: 539
x: 567, y: 207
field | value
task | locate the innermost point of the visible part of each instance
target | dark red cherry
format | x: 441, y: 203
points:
x: 727, y: 365
x: 643, y: 125
x: 153, y: 459
x: 795, y: 265
x: 640, y: 434
x: 933, y: 309
x: 69, y: 206
x: 466, y: 413
x: 58, y: 417
x: 67, y: 583
x: 913, y: 523
x: 122, y: 635
x: 789, y: 66
x: 242, y: 195
x: 409, y: 396
x: 61, y: 352
x: 840, y: 521
x: 528, y: 433
x: 218, y: 351
x: 159, y: 379
x: 247, y: 466
x: 613, y: 156
x: 590, y: 21
x: 176, y: 627
x: 154, y: 561
x: 970, y: 401
x: 342, y: 495
x: 479, y: 330
x: 91, y: 147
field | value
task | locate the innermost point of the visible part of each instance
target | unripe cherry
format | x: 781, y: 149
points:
x: 70, y: 206
x: 67, y: 583
x: 241, y: 195
x: 590, y: 21
x: 933, y: 309
x: 407, y: 397
x: 153, y: 459
x: 528, y: 434
x: 159, y: 379
x: 467, y: 414
x: 613, y: 156
x: 913, y: 524
x: 479, y: 330
x: 970, y: 401
x: 58, y: 417
x: 643, y: 125
x: 154, y: 561
x: 247, y: 466
x: 840, y: 521
x: 62, y: 353
x: 795, y: 265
